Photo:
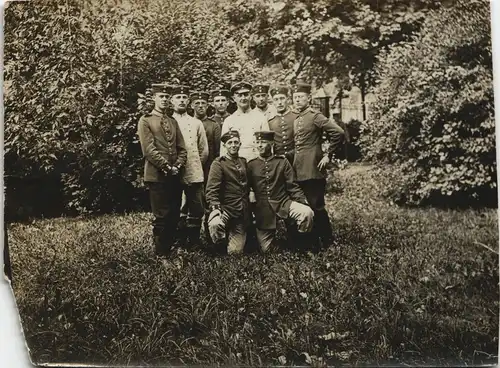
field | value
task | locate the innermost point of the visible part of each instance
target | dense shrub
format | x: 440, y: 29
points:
x: 403, y: 285
x: 434, y: 110
x: 73, y: 71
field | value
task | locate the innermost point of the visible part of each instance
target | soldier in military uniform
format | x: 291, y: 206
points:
x: 259, y: 95
x: 310, y: 161
x: 199, y: 102
x: 221, y: 102
x: 165, y: 154
x: 282, y: 123
x: 278, y: 196
x: 227, y: 195
x: 245, y: 120
x: 192, y: 177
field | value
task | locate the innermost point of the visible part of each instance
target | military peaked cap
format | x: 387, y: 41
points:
x: 228, y: 135
x: 239, y: 86
x: 199, y: 96
x: 260, y: 88
x: 280, y: 90
x: 180, y: 90
x: 265, y: 135
x: 301, y: 87
x: 160, y: 88
x: 221, y: 92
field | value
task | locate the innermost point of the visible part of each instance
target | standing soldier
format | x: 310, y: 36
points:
x: 282, y: 123
x: 165, y: 155
x: 221, y: 102
x: 310, y: 162
x: 197, y: 153
x: 199, y: 102
x: 260, y: 94
x: 277, y: 194
x: 245, y: 120
x: 227, y: 195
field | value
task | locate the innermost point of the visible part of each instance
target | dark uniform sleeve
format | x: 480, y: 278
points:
x: 213, y: 185
x: 217, y: 136
x: 149, y: 150
x: 292, y: 188
x: 181, y: 147
x: 334, y: 133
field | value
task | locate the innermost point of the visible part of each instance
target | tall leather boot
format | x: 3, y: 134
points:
x: 158, y: 241
x: 181, y: 233
x: 324, y: 229
x: 193, y: 237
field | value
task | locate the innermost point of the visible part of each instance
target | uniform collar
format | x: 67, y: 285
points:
x: 157, y: 113
x: 284, y: 113
x: 226, y: 114
x: 239, y: 112
x: 305, y: 109
x: 180, y: 115
x: 227, y: 157
x: 266, y: 159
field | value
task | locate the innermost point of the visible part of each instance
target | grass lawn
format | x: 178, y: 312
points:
x: 417, y: 286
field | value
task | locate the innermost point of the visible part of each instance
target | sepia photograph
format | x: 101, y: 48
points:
x: 251, y: 182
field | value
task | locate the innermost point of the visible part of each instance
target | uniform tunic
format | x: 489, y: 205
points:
x: 227, y: 187
x: 282, y: 126
x: 309, y: 127
x: 246, y: 123
x: 270, y: 111
x: 162, y: 145
x: 220, y: 118
x: 195, y: 139
x: 272, y: 180
x: 212, y: 130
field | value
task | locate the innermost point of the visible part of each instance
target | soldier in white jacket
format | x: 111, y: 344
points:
x: 192, y: 176
x: 245, y: 120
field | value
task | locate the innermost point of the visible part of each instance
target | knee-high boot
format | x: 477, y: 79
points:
x: 324, y: 228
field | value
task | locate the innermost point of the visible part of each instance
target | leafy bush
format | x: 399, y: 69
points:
x: 434, y: 110
x: 73, y: 72
x: 404, y: 285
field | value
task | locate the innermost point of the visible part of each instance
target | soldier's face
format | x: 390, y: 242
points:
x: 232, y: 145
x: 242, y: 98
x: 264, y: 147
x: 179, y: 103
x: 221, y: 103
x: 160, y: 100
x: 200, y: 107
x: 300, y: 99
x: 280, y: 102
x: 260, y: 100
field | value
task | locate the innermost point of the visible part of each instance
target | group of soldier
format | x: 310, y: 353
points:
x: 254, y: 171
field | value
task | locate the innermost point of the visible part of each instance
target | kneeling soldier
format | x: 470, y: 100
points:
x: 227, y: 195
x: 277, y: 194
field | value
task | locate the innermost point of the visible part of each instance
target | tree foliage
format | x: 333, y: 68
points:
x: 324, y: 39
x: 434, y: 109
x: 73, y: 71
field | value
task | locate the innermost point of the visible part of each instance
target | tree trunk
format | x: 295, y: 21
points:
x: 363, y: 95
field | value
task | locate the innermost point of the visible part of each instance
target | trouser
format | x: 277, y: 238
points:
x: 192, y: 210
x: 301, y: 216
x: 314, y: 190
x: 234, y: 228
x: 165, y: 198
x: 193, y: 203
